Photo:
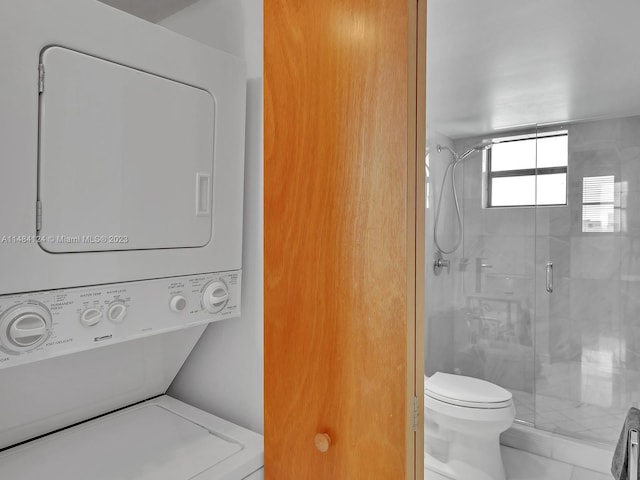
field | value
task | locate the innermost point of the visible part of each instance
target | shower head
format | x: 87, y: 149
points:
x: 484, y: 145
x: 480, y: 147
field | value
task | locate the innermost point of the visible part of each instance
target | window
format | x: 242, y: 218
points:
x: 600, y: 211
x: 528, y: 170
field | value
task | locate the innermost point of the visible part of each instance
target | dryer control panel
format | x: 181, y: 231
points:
x: 39, y: 325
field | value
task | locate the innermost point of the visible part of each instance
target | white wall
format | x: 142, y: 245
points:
x: 224, y: 373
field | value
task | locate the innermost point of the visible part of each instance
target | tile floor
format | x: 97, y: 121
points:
x: 521, y: 465
x: 572, y: 418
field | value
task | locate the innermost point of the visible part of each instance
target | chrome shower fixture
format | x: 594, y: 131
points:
x: 480, y: 147
x: 455, y: 161
x: 476, y: 148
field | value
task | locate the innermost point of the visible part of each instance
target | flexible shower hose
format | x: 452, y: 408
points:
x: 451, y: 167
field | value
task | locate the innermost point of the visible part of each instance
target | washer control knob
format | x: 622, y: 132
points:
x: 177, y: 303
x: 28, y: 329
x: 90, y: 317
x: 116, y: 312
x: 25, y: 327
x: 215, y: 296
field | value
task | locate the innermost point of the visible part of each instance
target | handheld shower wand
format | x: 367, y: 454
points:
x: 455, y: 161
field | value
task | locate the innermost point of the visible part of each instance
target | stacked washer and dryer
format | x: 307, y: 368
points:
x: 121, y: 187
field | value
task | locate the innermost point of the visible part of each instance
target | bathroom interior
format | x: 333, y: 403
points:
x: 532, y: 237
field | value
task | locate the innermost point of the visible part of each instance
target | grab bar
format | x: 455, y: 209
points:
x: 549, y: 277
x: 633, y: 454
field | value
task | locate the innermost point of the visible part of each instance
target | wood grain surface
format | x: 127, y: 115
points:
x: 340, y: 238
x: 422, y: 263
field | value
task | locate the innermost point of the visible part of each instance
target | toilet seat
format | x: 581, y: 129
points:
x: 467, y: 392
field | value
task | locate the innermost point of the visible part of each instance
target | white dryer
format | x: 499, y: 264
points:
x: 121, y: 186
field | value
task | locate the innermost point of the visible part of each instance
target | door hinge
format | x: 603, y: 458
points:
x: 41, y: 78
x: 38, y: 215
x: 415, y: 414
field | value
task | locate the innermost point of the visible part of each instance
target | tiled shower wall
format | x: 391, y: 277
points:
x: 440, y: 290
x: 572, y: 357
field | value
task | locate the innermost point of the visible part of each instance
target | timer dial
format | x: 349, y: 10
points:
x: 215, y: 296
x: 25, y: 327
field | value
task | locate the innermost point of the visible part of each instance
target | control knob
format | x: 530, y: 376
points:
x: 116, y: 312
x: 215, y: 296
x: 25, y: 327
x: 90, y: 317
x: 177, y: 303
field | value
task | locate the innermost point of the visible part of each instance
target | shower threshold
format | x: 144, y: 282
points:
x: 559, y: 447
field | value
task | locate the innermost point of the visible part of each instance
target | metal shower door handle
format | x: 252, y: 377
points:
x: 549, y: 277
x: 633, y: 454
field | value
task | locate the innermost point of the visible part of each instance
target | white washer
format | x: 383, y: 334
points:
x: 62, y: 371
x: 161, y: 439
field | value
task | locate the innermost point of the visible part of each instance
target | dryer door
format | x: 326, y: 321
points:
x: 126, y: 158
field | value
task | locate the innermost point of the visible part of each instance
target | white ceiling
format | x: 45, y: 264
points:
x: 499, y: 64
x: 151, y: 10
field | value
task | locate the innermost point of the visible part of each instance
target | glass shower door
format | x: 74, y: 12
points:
x: 500, y: 245
x: 587, y: 325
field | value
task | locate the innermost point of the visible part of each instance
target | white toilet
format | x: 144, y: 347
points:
x: 464, y: 418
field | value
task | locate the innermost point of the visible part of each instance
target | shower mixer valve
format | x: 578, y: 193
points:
x: 439, y: 262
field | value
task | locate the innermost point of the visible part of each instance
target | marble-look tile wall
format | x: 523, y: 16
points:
x: 492, y: 309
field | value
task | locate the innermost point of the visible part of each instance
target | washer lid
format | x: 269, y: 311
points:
x: 466, y: 391
x: 142, y: 443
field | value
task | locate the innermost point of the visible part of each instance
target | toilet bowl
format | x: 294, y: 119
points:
x: 464, y: 418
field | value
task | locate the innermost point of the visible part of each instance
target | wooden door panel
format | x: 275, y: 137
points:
x: 340, y: 220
